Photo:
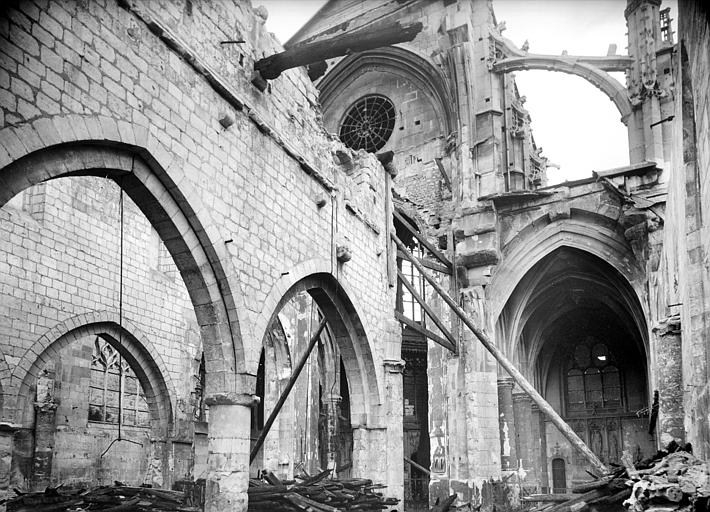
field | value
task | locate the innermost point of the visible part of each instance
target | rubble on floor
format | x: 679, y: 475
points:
x: 316, y: 494
x: 117, y: 497
x: 673, y: 480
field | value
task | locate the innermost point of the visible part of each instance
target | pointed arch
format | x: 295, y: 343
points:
x: 126, y: 338
x: 75, y: 145
x: 336, y: 302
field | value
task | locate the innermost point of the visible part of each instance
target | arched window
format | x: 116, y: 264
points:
x: 114, y: 384
x: 593, y: 381
x: 410, y: 307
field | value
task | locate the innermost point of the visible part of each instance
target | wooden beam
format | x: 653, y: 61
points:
x: 360, y: 40
x: 415, y: 465
x: 422, y: 240
x: 432, y: 265
x: 519, y: 378
x: 287, y: 390
x: 424, y: 331
x: 434, y: 317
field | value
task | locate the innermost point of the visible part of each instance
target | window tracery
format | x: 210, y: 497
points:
x: 368, y: 123
x: 593, y: 380
x: 114, y: 385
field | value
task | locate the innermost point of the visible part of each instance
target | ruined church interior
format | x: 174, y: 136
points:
x: 338, y: 271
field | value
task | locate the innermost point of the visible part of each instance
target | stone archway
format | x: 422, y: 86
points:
x: 354, y: 383
x: 577, y: 329
x: 400, y: 61
x: 134, y: 346
x: 345, y: 325
x: 175, y: 218
x: 67, y: 394
x: 74, y: 145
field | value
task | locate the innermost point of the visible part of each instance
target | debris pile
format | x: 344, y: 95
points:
x: 678, y: 481
x: 316, y: 494
x: 673, y: 480
x: 117, y: 497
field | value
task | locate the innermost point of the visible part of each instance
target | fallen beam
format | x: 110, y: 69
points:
x: 309, y: 53
x: 287, y: 390
x: 519, y: 378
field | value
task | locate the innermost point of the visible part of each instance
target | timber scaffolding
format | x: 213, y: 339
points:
x: 450, y: 342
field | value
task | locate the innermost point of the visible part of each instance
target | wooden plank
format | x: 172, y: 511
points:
x: 432, y: 265
x: 292, y: 381
x: 422, y: 240
x: 424, y: 331
x: 415, y: 465
x: 434, y: 317
x: 308, y: 53
x: 519, y: 378
x: 443, y: 172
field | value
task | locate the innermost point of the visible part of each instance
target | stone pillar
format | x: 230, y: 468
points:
x: 7, y: 432
x: 506, y: 423
x: 394, y: 449
x: 536, y: 467
x: 523, y: 434
x: 544, y: 476
x: 669, y: 382
x: 228, y: 444
x: 45, y: 426
x: 333, y: 411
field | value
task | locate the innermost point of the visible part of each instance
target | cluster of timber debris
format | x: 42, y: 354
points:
x: 316, y: 494
x: 117, y: 497
x: 672, y: 480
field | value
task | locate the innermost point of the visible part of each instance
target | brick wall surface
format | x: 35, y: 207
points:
x: 153, y: 75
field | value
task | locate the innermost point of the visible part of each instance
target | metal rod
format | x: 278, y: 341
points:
x: 519, y: 378
x: 284, y: 395
x: 415, y: 465
x: 437, y: 321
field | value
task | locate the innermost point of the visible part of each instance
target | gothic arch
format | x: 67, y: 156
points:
x: 75, y: 145
x: 400, y: 61
x: 135, y: 347
x: 335, y: 302
x: 530, y: 246
x: 602, y: 80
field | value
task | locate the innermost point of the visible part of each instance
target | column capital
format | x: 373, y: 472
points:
x: 394, y: 365
x: 333, y: 398
x: 244, y: 399
x: 522, y: 397
x: 506, y: 382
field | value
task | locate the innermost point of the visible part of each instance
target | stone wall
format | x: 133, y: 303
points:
x: 61, y: 262
x: 229, y: 177
x: 691, y: 182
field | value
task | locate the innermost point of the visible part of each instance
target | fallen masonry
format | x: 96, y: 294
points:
x: 673, y: 480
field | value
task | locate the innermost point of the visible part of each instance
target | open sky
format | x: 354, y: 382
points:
x: 577, y: 125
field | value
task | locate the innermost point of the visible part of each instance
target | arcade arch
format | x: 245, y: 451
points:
x: 576, y: 328
x: 336, y: 391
